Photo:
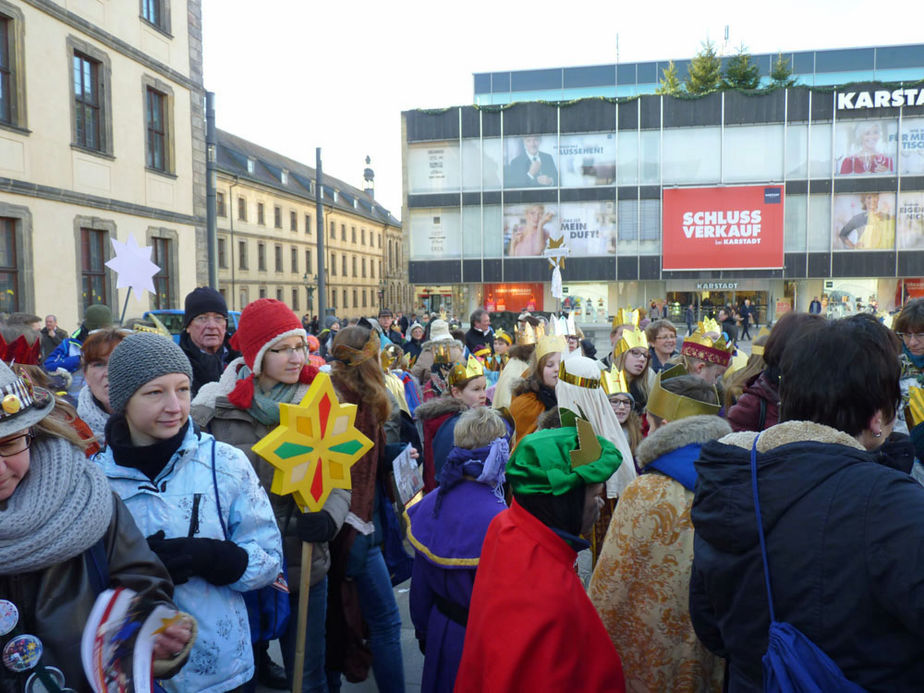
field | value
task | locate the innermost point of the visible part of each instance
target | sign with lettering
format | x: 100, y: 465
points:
x: 716, y: 286
x: 880, y: 98
x: 723, y: 228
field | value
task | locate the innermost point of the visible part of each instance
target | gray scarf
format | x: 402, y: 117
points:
x: 89, y: 411
x: 61, y: 507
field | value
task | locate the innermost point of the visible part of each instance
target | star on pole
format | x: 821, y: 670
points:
x: 314, y: 446
x: 556, y: 252
x: 133, y: 267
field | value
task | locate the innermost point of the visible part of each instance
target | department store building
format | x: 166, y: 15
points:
x: 778, y: 195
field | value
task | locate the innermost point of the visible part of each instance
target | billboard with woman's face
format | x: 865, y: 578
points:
x: 864, y: 221
x: 865, y: 147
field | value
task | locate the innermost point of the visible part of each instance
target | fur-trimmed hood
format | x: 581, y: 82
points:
x: 791, y: 432
x: 438, y: 407
x: 521, y: 386
x: 454, y: 342
x: 677, y: 434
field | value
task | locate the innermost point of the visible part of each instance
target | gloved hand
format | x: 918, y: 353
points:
x: 319, y: 526
x: 215, y: 560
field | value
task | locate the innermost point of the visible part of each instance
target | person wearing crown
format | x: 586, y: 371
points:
x: 639, y: 585
x: 494, y: 363
x: 527, y: 331
x: 534, y: 393
x: 625, y: 319
x: 623, y: 404
x: 530, y: 623
x: 466, y: 389
x: 704, y: 355
x: 632, y: 357
x: 437, y: 355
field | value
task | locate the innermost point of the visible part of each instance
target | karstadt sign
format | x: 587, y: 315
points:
x: 880, y: 98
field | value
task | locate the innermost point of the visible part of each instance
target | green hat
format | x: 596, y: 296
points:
x: 543, y: 463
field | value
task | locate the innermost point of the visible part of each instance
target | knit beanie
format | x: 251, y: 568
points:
x: 97, y: 317
x: 203, y: 300
x: 139, y: 359
x: 263, y: 323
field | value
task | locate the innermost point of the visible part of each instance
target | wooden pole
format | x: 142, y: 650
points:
x: 303, y: 589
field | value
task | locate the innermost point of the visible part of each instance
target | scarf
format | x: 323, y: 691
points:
x: 918, y: 361
x: 62, y: 506
x: 92, y: 412
x: 265, y: 405
x: 150, y: 460
x: 547, y: 396
x: 485, y: 465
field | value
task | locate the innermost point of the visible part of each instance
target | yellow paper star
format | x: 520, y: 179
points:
x: 314, y: 446
x: 555, y: 259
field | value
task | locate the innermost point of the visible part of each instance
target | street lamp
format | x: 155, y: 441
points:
x: 382, y: 294
x: 310, y: 283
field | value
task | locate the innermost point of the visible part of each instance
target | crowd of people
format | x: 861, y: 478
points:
x: 582, y: 520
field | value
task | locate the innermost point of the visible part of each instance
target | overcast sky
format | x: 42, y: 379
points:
x: 292, y: 75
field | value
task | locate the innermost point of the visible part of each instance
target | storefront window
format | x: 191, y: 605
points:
x: 481, y: 164
x: 493, y: 233
x: 820, y: 151
x: 435, y: 234
x: 433, y: 167
x: 691, y: 155
x: 753, y: 153
x: 627, y: 150
x: 819, y: 223
x: 471, y: 232
x: 649, y: 227
x: 794, y: 229
x: 588, y: 302
x: 649, y: 142
x: 797, y: 151
x: 627, y: 243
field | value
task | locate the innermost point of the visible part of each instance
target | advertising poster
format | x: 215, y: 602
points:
x: 530, y: 162
x: 589, y: 228
x: 910, y: 221
x: 433, y: 167
x: 865, y: 147
x: 528, y: 227
x: 435, y: 234
x: 864, y: 221
x: 911, y: 154
x: 723, y: 228
x: 587, y: 160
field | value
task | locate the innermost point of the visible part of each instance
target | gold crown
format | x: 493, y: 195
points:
x: 631, y: 339
x: 577, y: 380
x: 757, y: 350
x: 626, y: 316
x: 500, y: 334
x: 671, y: 406
x: 738, y: 361
x: 462, y: 372
x: 550, y: 344
x: 614, y: 381
x: 589, y: 448
x: 442, y: 353
x: 763, y: 332
x: 700, y: 346
x: 393, y: 358
x: 707, y: 325
x: 529, y: 334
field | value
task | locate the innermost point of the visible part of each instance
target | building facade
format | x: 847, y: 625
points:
x: 268, y: 233
x: 837, y: 173
x: 101, y: 138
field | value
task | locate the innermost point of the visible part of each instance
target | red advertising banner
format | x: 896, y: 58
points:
x: 723, y: 228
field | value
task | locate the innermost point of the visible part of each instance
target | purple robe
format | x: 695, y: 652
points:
x: 447, y: 548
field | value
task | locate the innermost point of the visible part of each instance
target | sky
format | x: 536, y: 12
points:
x: 299, y: 74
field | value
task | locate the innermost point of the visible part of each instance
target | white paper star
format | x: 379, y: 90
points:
x: 133, y: 267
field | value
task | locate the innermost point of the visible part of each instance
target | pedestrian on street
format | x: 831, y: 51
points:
x: 689, y: 316
x: 746, y: 312
x: 52, y: 335
x: 205, y: 339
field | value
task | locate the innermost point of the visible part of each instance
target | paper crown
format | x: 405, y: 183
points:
x: 914, y: 411
x: 699, y: 346
x: 614, y: 381
x: 442, y: 352
x: 393, y: 358
x: 504, y: 336
x: 758, y: 349
x: 465, y: 371
x: 631, y: 339
x: 707, y: 325
x: 354, y: 357
x: 20, y: 351
x: 671, y: 406
x: 577, y: 380
x: 529, y: 334
x: 738, y: 361
x: 562, y: 326
x: 550, y: 344
x: 626, y: 316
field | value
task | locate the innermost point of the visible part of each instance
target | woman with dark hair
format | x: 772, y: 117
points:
x: 757, y: 407
x: 909, y: 326
x: 843, y: 533
x: 358, y: 575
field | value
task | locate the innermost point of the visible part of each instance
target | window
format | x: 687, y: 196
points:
x: 353, y: 234
x: 355, y: 296
x: 308, y: 223
x: 261, y: 213
x: 156, y: 12
x: 333, y: 230
x: 293, y: 221
x: 378, y: 238
x: 220, y: 204
x: 333, y: 264
x: 355, y: 273
x: 163, y: 258
x: 222, y: 253
x: 12, y: 84
x: 294, y: 257
x: 364, y: 298
x: 87, y: 102
x: 345, y: 302
x: 262, y: 292
x: 364, y: 268
x: 363, y: 236
x: 279, y: 294
x: 277, y: 217
x: 343, y: 265
x: 95, y: 283
x: 380, y: 268
x: 294, y: 299
x: 241, y: 209
x: 9, y: 272
x: 308, y: 261
x: 284, y: 177
x: 372, y: 268
x: 261, y: 257
x: 242, y: 258
x: 156, y: 120
x: 342, y: 232
x: 277, y: 256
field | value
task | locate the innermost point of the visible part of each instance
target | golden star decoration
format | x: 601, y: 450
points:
x: 314, y: 446
x: 556, y: 259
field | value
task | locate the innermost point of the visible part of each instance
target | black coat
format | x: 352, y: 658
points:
x: 475, y: 340
x: 846, y: 552
x: 206, y: 368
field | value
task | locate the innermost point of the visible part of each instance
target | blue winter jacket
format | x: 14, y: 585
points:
x: 846, y: 551
x: 221, y: 658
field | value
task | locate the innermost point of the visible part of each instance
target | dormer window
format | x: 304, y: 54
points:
x: 284, y: 177
x: 251, y: 164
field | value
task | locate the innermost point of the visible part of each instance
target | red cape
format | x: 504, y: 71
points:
x: 531, y: 626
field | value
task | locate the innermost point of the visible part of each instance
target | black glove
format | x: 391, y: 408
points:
x: 215, y: 560
x: 319, y: 526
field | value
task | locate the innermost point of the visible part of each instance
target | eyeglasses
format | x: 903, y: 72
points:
x: 911, y: 336
x: 638, y: 354
x: 665, y: 337
x: 289, y: 351
x: 13, y: 446
x: 206, y: 319
x: 621, y: 403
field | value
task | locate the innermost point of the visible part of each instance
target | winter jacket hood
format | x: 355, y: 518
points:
x: 693, y: 430
x: 440, y: 406
x: 744, y: 415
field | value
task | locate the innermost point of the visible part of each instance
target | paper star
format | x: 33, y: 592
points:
x: 314, y: 446
x: 556, y: 251
x: 133, y: 267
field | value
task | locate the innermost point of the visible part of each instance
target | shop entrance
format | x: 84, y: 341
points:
x: 706, y: 303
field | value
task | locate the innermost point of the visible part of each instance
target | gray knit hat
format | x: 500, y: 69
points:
x: 138, y: 359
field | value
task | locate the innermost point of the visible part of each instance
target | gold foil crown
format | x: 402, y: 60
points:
x: 577, y: 380
x: 631, y: 339
x: 550, y: 344
x: 529, y: 334
x: 738, y: 361
x: 465, y: 371
x: 705, y: 348
x: 707, y: 325
x: 393, y: 358
x: 500, y: 334
x: 626, y: 316
x: 671, y: 406
x: 614, y: 381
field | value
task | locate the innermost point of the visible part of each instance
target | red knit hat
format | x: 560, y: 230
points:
x: 263, y: 323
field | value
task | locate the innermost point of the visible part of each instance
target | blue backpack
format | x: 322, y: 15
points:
x: 793, y: 663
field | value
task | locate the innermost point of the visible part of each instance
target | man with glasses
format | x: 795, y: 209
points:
x: 205, y: 336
